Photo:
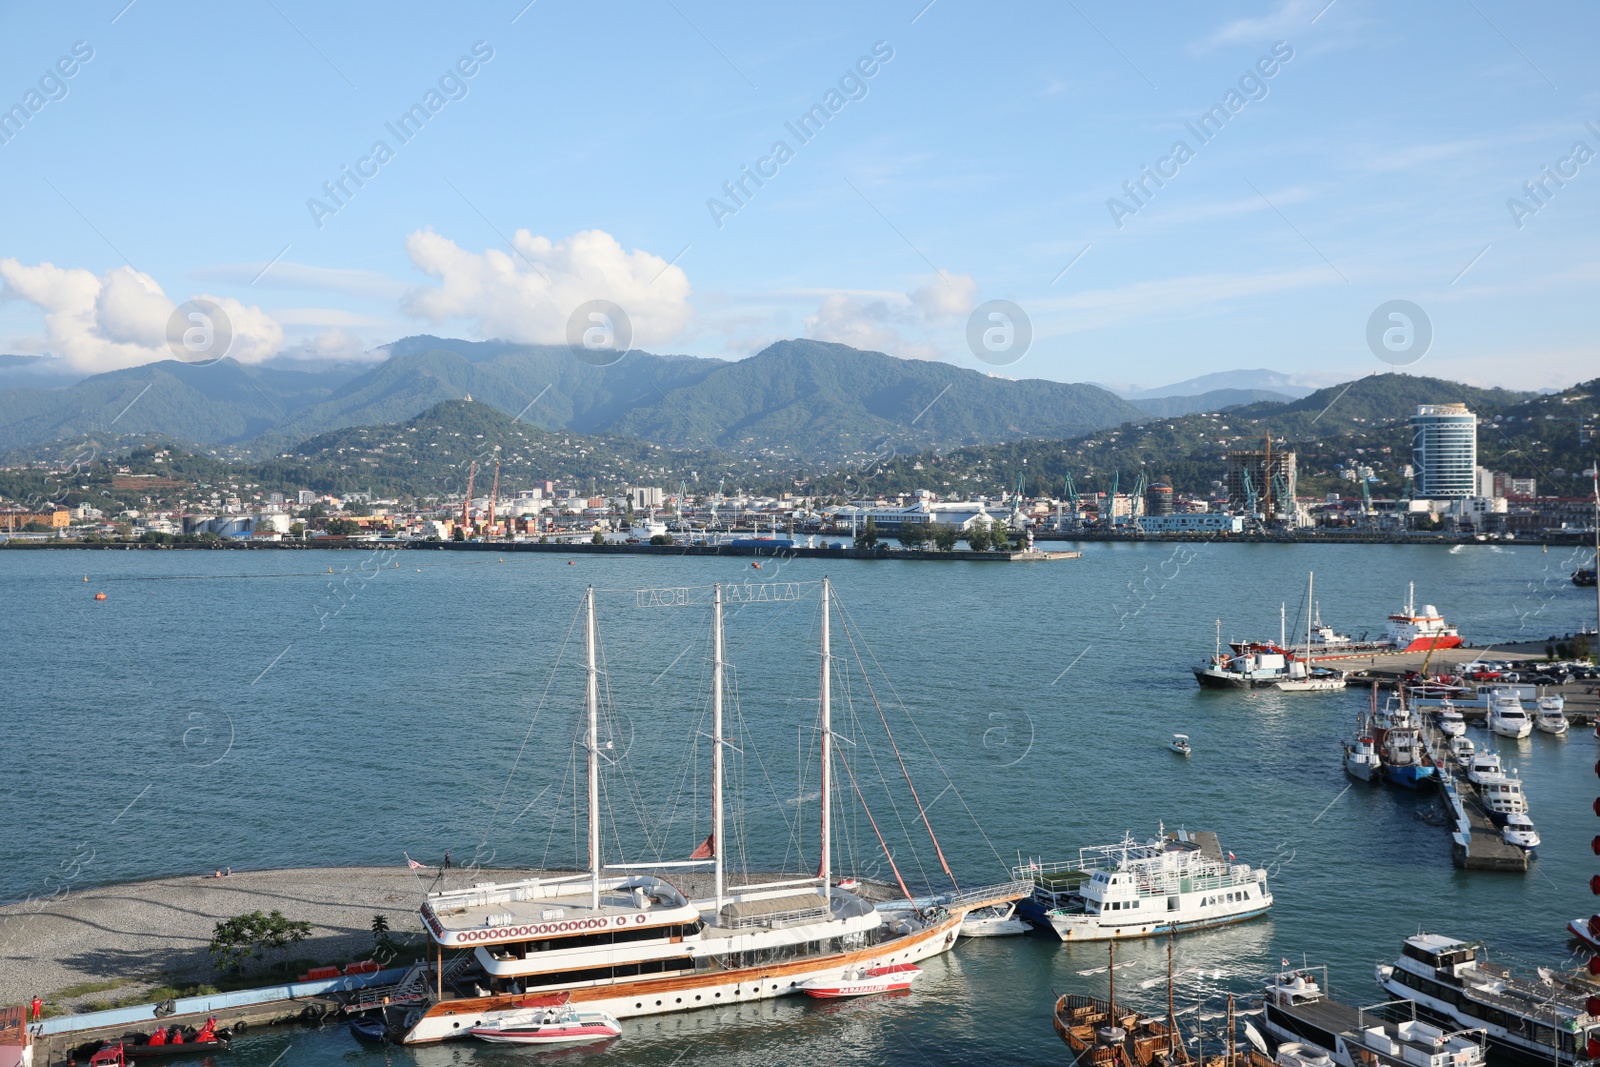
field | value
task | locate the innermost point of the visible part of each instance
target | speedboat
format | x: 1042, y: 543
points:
x: 1361, y: 760
x: 1484, y: 765
x: 556, y: 1023
x: 997, y: 921
x: 863, y: 981
x: 1506, y: 715
x: 1451, y: 722
x: 1519, y: 831
x: 1180, y: 745
x: 1462, y: 750
x: 1551, y: 718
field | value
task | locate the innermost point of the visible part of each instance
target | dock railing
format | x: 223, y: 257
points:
x: 988, y: 894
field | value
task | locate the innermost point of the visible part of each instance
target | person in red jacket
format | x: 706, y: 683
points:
x: 38, y: 1008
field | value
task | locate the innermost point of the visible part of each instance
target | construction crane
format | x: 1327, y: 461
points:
x: 1249, y: 493
x: 494, y: 495
x: 1137, y: 501
x: 466, y: 505
x: 1280, y: 482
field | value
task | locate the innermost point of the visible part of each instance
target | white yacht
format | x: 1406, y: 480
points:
x: 1484, y: 765
x: 1177, y: 881
x: 1541, y: 1020
x: 1519, y: 831
x: 619, y: 940
x: 1502, y: 797
x: 1551, y: 717
x: 1507, y: 717
x: 1314, y: 1030
x: 1000, y: 920
x: 1450, y: 722
x: 1462, y: 751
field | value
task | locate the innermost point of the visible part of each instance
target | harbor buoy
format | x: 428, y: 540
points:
x: 757, y: 566
x: 99, y: 596
x: 86, y: 577
x: 572, y: 563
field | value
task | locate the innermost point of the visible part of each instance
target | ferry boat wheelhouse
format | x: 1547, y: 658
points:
x: 1541, y: 1022
x: 1297, y: 1009
x: 1176, y: 882
x: 631, y: 944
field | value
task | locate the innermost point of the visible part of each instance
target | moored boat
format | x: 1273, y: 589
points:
x: 1450, y: 722
x: 171, y: 1042
x: 863, y: 981
x: 1507, y: 717
x: 1586, y: 931
x: 370, y: 1030
x: 1000, y: 920
x: 1361, y: 760
x: 1551, y: 717
x: 1462, y: 751
x: 548, y: 1021
x: 1313, y: 1028
x: 1518, y: 830
x: 1410, y: 630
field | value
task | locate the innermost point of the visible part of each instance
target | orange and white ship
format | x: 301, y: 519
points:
x: 1411, y: 630
x: 624, y: 940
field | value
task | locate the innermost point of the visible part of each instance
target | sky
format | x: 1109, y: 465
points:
x: 1154, y: 191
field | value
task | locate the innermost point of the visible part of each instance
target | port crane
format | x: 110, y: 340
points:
x: 466, y: 505
x: 494, y: 496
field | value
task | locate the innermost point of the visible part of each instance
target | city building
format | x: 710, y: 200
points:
x: 1444, y: 446
x: 1201, y: 522
x: 1249, y: 481
x: 645, y: 496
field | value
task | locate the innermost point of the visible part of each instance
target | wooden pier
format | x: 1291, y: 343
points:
x: 1475, y: 841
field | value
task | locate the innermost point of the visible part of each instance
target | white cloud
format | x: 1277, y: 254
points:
x: 881, y: 323
x: 529, y: 296
x: 1291, y: 16
x: 119, y: 319
x: 336, y: 345
x: 301, y: 277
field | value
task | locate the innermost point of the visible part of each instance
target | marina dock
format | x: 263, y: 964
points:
x: 1475, y: 842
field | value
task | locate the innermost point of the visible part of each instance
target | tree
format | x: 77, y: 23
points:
x: 598, y: 538
x: 977, y: 536
x: 661, y: 539
x: 867, y: 536
x: 343, y: 527
x: 297, y: 530
x: 945, y: 536
x: 915, y: 534
x: 235, y: 941
x: 999, y: 535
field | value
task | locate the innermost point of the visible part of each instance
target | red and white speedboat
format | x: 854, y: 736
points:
x: 1411, y: 630
x: 863, y: 981
x: 548, y: 1021
x: 1587, y: 931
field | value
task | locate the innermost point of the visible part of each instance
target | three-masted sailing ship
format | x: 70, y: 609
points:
x: 619, y: 939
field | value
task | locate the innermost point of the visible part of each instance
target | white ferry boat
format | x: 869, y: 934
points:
x: 1175, y: 882
x: 629, y: 944
x: 1539, y: 1021
x: 1300, y: 1016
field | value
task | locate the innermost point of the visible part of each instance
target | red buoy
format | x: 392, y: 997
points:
x: 102, y: 596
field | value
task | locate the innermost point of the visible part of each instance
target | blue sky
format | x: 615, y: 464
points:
x: 977, y: 162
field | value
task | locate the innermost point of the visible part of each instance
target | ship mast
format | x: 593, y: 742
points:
x: 716, y: 738
x: 1172, y: 1017
x: 592, y: 701
x: 825, y: 871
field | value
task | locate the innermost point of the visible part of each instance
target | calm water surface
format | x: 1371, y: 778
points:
x: 260, y: 710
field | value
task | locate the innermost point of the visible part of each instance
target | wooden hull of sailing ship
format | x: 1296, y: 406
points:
x: 452, y: 1018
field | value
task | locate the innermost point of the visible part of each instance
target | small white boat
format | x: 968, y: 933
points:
x: 1551, y: 718
x: 1000, y: 920
x: 1180, y: 745
x: 1519, y: 831
x: 1507, y: 717
x: 1587, y: 931
x: 551, y: 1023
x: 1361, y: 760
x: 1462, y: 750
x: 1484, y: 765
x: 863, y: 981
x: 1450, y: 722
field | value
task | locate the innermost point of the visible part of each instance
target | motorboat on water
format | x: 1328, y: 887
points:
x: 1530, y: 1019
x: 1485, y: 764
x: 1361, y: 760
x: 1518, y: 830
x: 1177, y: 881
x: 1180, y: 745
x: 1462, y: 751
x: 1507, y: 716
x: 1551, y: 717
x: 863, y: 981
x: 548, y: 1021
x: 1314, y: 1030
x: 1000, y: 920
x: 1449, y: 721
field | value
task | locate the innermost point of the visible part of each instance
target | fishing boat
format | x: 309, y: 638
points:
x: 1175, y: 882
x: 1551, y: 717
x: 999, y: 920
x: 548, y: 1021
x: 1180, y: 745
x: 1304, y: 675
x: 1518, y: 830
x: 1313, y: 1028
x: 1539, y: 1020
x: 1361, y: 760
x: 1405, y: 758
x: 1257, y: 667
x: 618, y: 939
x: 1449, y: 721
x: 863, y: 981
x: 1507, y: 716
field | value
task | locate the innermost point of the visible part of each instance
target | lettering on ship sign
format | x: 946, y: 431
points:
x: 484, y: 934
x: 747, y: 593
